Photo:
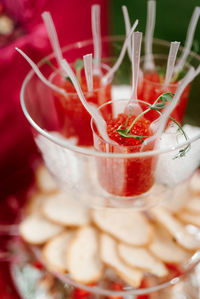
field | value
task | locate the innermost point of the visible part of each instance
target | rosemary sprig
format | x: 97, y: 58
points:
x: 158, y: 105
x: 161, y: 72
x: 78, y: 67
x: 121, y: 132
x: 53, y: 67
x: 177, y: 77
x: 163, y: 99
x: 56, y: 70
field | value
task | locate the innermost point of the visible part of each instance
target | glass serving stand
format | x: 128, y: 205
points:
x: 75, y: 168
x: 32, y: 280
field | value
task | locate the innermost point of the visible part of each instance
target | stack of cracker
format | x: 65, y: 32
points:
x: 85, y: 242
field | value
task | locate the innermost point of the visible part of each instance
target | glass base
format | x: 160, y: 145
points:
x: 32, y: 280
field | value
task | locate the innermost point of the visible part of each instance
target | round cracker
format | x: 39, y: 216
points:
x: 65, y: 211
x: 128, y: 226
x: 54, y: 251
x: 83, y: 259
x: 166, y: 248
x: 35, y: 229
x: 109, y: 256
x: 176, y: 229
x: 141, y: 258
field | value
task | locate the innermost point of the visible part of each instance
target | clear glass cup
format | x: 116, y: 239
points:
x: 71, y: 112
x: 125, y: 177
x: 76, y: 168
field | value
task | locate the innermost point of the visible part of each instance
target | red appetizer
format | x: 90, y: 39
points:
x: 152, y: 86
x: 127, y: 176
x: 137, y: 172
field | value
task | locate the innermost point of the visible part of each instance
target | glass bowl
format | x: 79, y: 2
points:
x: 31, y: 278
x: 75, y: 167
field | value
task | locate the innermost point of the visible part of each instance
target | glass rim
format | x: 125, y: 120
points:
x: 160, y: 84
x: 85, y: 150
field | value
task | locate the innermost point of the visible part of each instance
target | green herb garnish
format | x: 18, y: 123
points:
x: 161, y: 72
x: 179, y: 75
x: 163, y: 99
x: 195, y: 46
x: 56, y: 70
x: 78, y: 67
x: 123, y: 132
x: 158, y: 105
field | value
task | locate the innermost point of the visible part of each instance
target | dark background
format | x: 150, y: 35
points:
x: 172, y: 18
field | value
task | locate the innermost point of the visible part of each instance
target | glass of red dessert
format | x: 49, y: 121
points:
x: 126, y: 176
x: 74, y: 119
x: 152, y: 84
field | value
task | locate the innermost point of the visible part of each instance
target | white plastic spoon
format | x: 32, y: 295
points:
x: 41, y: 76
x: 52, y: 36
x: 137, y: 41
x: 96, y: 33
x: 170, y: 68
x: 189, y: 39
x: 171, y: 62
x: 87, y: 60
x: 115, y: 67
x: 127, y: 27
x: 133, y: 105
x: 151, y: 16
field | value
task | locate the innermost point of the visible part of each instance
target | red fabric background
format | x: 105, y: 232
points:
x: 17, y: 149
x: 73, y: 22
